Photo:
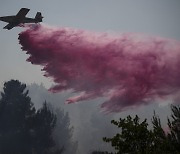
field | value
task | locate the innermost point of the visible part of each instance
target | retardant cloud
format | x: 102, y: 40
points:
x: 128, y: 69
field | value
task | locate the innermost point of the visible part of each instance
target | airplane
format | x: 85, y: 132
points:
x: 20, y: 18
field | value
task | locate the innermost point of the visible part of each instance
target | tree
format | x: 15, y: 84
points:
x: 134, y: 136
x: 160, y: 142
x: 137, y: 139
x: 45, y: 121
x: 174, y: 126
x: 23, y: 130
x: 63, y: 132
x: 16, y: 116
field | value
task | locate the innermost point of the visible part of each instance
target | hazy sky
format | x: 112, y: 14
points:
x: 155, y: 17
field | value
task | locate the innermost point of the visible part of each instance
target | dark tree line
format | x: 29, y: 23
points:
x: 135, y: 137
x: 23, y: 129
x: 63, y: 131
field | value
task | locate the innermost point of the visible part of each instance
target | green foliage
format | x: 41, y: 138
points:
x: 160, y: 139
x: 174, y: 126
x: 136, y: 138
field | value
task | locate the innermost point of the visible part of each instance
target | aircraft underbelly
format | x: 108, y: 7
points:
x: 28, y: 20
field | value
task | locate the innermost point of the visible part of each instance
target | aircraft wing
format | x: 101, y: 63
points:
x: 22, y: 12
x: 9, y: 26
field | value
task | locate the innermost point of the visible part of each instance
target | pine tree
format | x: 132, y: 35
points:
x: 44, y: 125
x: 63, y: 132
x: 16, y: 117
x: 174, y: 126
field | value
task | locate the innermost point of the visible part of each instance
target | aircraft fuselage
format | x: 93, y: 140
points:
x: 20, y: 18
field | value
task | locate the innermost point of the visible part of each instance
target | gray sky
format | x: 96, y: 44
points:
x: 155, y: 17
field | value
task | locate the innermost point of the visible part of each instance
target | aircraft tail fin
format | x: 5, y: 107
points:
x: 38, y: 17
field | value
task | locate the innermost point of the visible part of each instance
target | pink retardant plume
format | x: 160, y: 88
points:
x: 128, y: 70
